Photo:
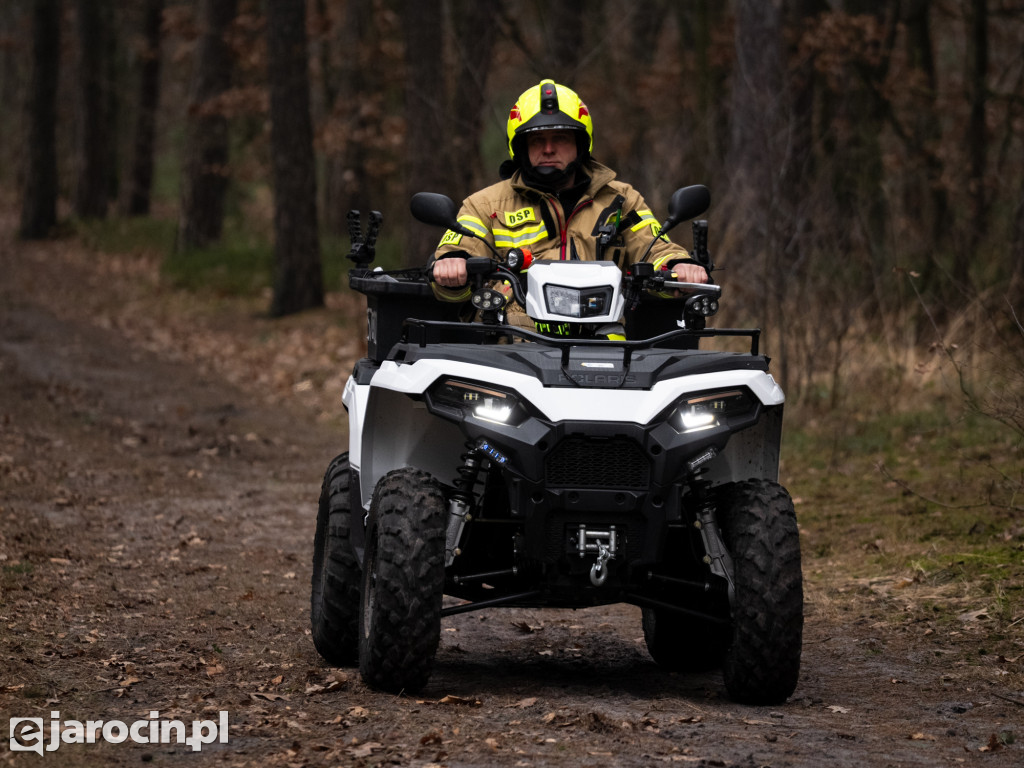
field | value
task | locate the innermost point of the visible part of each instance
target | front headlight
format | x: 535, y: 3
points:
x: 479, y: 401
x: 711, y: 409
x: 577, y: 302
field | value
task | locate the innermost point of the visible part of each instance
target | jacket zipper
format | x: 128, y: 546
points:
x: 555, y: 206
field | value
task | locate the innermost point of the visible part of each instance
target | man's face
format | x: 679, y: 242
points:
x: 554, y: 149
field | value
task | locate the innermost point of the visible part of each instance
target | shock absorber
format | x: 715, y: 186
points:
x: 462, y: 501
x: 716, y: 557
x: 469, y: 472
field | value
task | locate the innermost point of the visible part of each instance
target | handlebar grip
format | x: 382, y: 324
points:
x: 709, y: 288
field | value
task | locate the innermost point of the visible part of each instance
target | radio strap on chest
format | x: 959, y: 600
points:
x: 608, y: 226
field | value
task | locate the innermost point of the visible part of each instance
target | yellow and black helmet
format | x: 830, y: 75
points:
x: 549, y: 106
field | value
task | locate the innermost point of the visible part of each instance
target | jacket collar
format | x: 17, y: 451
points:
x: 600, y: 175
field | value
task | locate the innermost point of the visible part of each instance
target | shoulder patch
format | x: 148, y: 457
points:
x: 450, y: 238
x: 522, y: 216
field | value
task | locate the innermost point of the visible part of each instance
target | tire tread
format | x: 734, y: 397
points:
x: 398, y: 645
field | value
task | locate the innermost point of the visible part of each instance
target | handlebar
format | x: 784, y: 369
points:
x: 689, y: 288
x: 481, y: 269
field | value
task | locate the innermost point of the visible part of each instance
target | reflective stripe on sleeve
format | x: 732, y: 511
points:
x: 451, y: 294
x: 662, y: 261
x: 646, y: 220
x: 473, y: 224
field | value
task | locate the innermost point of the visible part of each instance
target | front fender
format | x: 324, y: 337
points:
x: 397, y: 431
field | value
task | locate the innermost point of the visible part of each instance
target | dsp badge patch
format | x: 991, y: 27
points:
x: 450, y: 238
x: 522, y: 216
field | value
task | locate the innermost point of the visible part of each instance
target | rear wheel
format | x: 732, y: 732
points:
x: 762, y: 662
x: 682, y: 643
x: 334, y: 604
x: 403, y: 582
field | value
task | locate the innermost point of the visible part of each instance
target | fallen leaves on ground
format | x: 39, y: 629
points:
x: 460, y: 700
x: 366, y: 749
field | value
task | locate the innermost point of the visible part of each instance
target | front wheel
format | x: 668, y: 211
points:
x: 762, y: 662
x: 334, y: 601
x: 403, y: 582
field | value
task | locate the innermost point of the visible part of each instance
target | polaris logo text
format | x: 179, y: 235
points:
x: 601, y: 379
x: 28, y: 733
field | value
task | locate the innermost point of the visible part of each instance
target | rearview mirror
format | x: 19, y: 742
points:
x: 686, y: 203
x: 432, y: 208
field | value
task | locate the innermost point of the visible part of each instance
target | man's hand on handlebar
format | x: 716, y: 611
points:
x: 450, y: 273
x: 689, y: 273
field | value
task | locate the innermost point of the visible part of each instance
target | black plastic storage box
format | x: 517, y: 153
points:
x: 656, y: 315
x: 391, y: 299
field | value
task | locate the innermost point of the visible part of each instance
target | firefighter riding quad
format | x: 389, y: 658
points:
x: 507, y: 467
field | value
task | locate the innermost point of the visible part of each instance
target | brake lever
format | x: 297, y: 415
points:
x: 502, y: 271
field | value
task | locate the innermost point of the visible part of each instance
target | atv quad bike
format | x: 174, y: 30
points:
x: 506, y: 467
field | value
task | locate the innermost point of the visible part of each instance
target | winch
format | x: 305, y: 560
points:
x: 603, y: 542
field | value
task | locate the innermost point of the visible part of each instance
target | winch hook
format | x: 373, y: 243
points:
x: 599, y: 570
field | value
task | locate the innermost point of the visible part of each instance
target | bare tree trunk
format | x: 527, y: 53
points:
x: 346, y: 92
x: 757, y: 110
x: 757, y: 133
x: 860, y: 164
x: 564, y: 30
x: 798, y: 155
x: 977, y: 73
x: 39, y: 201
x: 113, y: 84
x: 644, y: 29
x: 1015, y: 286
x: 298, y: 278
x: 927, y: 130
x: 424, y: 116
x: 475, y: 32
x: 91, y: 188
x: 707, y: 125
x: 930, y: 200
x: 205, y: 178
x: 141, y: 174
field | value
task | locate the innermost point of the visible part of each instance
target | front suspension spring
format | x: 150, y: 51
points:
x: 469, y: 475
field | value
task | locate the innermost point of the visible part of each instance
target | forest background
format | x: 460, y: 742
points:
x: 188, y: 165
x: 866, y: 159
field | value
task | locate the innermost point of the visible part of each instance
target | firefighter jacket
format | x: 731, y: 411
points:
x: 511, y: 214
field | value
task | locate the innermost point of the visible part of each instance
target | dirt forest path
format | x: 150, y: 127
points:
x: 156, y: 522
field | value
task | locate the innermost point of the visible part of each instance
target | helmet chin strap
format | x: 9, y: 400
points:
x: 548, y: 179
